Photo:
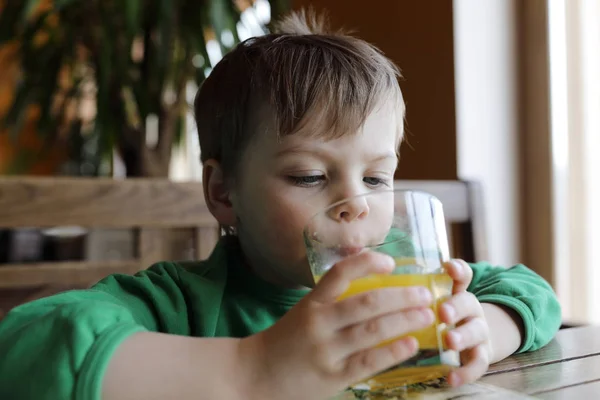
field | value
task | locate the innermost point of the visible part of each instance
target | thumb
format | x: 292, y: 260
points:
x: 461, y: 273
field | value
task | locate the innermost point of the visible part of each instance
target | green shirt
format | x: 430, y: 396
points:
x: 59, y: 347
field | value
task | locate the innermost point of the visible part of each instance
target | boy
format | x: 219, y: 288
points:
x: 289, y: 123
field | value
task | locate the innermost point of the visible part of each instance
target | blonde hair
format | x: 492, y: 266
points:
x: 305, y: 74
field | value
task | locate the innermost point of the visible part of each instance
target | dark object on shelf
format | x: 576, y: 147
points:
x: 64, y: 243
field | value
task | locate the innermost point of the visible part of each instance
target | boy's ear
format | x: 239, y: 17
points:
x: 217, y: 193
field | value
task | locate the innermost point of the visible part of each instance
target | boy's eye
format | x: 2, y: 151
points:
x: 307, y: 181
x: 372, y: 181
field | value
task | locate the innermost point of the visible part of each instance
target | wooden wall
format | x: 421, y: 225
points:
x: 418, y: 37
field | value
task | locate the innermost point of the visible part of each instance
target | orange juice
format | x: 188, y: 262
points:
x: 433, y: 360
x: 440, y: 286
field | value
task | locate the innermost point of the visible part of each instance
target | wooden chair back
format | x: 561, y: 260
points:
x: 150, y: 206
x: 464, y: 213
x: 147, y: 206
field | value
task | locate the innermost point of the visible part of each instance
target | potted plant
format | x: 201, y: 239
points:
x: 95, y: 75
x: 85, y: 79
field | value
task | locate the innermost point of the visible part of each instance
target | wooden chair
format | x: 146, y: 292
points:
x: 147, y: 206
x: 464, y: 212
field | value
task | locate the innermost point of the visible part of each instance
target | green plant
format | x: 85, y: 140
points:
x: 98, y: 70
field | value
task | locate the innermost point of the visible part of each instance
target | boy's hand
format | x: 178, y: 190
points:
x: 471, y: 335
x: 321, y: 346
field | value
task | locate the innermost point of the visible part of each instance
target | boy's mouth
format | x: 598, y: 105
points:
x: 346, y: 251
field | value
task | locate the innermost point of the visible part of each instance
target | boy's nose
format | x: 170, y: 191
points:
x: 350, y: 210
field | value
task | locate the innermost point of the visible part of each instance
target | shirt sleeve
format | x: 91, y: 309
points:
x: 524, y: 291
x: 59, y: 347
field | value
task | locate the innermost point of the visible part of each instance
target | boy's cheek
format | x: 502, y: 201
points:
x: 283, y: 228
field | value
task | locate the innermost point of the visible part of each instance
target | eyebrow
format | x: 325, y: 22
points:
x: 385, y: 156
x: 294, y: 150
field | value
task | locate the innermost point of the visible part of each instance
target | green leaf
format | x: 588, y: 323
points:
x: 166, y: 25
x: 14, y: 120
x: 62, y: 4
x: 21, y: 163
x: 48, y: 124
x: 148, y: 82
x: 234, y: 18
x: 218, y: 17
x: 30, y: 7
x: 76, y: 143
x: 103, y: 124
x: 180, y: 130
x: 278, y: 8
x: 10, y: 18
x: 119, y: 43
x: 31, y: 30
x: 140, y: 95
x: 194, y: 19
x: 132, y: 15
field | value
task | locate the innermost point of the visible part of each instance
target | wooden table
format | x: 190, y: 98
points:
x: 567, y: 368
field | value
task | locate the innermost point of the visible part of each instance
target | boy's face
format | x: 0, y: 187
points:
x: 282, y: 184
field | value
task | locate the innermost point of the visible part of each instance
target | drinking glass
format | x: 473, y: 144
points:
x: 409, y: 226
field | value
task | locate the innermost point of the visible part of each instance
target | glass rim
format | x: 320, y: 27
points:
x: 378, y: 192
x: 306, y: 235
x: 368, y: 247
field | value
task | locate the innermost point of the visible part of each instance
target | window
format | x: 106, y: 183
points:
x: 574, y: 41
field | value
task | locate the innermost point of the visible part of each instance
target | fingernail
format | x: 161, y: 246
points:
x: 427, y: 316
x: 455, y: 379
x: 390, y: 264
x: 413, y: 344
x: 456, y: 338
x: 425, y: 294
x: 384, y: 267
x: 458, y: 266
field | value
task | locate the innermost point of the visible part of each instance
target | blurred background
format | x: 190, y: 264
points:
x: 502, y: 92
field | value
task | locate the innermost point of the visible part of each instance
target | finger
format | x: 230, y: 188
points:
x: 366, y: 363
x: 477, y: 364
x: 461, y: 273
x: 337, y: 280
x: 378, y: 302
x: 460, y: 306
x: 368, y: 334
x: 471, y: 334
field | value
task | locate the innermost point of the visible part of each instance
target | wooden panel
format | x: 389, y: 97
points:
x: 567, y: 345
x: 10, y: 298
x: 478, y: 221
x: 585, y: 391
x: 151, y: 246
x: 42, y: 202
x: 548, y: 377
x: 427, y: 64
x: 536, y: 139
x: 461, y: 244
x: 206, y: 239
x: 454, y: 195
x: 62, y: 273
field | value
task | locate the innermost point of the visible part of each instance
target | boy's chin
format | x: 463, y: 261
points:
x: 304, y: 277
